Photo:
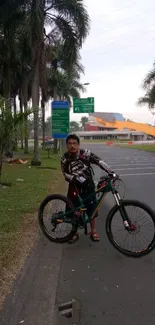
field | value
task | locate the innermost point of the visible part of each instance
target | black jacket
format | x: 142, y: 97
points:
x: 80, y: 165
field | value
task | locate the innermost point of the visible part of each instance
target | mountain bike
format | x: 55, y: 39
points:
x: 119, y: 218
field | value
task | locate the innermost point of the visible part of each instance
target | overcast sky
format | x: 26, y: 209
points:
x: 118, y: 53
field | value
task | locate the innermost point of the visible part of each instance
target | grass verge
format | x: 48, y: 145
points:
x: 144, y: 147
x: 18, y: 217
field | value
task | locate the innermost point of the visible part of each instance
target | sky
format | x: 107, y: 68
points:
x: 117, y: 54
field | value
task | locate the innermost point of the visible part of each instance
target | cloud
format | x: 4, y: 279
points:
x: 118, y: 53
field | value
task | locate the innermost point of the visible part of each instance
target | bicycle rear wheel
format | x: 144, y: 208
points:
x: 51, y: 221
x: 142, y: 228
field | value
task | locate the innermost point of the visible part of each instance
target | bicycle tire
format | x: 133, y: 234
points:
x: 41, y: 222
x: 110, y: 216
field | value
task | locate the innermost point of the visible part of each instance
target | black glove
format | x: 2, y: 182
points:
x: 113, y: 175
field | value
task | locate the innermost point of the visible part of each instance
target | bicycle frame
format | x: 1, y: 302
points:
x: 106, y: 187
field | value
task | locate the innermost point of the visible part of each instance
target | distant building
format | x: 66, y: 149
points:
x: 110, y: 122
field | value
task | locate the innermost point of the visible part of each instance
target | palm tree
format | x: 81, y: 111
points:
x: 150, y: 78
x: 8, y: 123
x: 67, y: 83
x: 26, y: 20
x: 149, y: 87
x: 63, y: 82
x: 12, y: 16
x: 74, y: 126
x: 68, y: 86
x: 71, y: 21
x: 84, y: 120
x: 148, y: 99
x: 59, y: 80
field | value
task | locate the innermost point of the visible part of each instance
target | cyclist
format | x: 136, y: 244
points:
x: 77, y: 170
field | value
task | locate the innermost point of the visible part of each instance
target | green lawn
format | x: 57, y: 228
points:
x: 144, y: 147
x: 18, y: 206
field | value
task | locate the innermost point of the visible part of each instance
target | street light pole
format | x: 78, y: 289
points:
x: 152, y: 110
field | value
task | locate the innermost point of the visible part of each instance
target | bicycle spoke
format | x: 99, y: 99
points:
x: 135, y: 240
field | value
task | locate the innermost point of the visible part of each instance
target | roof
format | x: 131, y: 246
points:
x: 109, y: 117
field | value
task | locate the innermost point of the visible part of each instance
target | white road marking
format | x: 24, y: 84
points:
x: 139, y: 174
x: 130, y: 157
x: 135, y: 164
x: 128, y: 161
x: 134, y: 168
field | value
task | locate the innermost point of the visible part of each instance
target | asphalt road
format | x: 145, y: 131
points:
x: 111, y: 289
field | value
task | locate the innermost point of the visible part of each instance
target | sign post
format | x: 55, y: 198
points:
x: 83, y: 105
x: 60, y: 119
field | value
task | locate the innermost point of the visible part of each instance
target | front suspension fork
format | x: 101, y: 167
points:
x: 126, y: 220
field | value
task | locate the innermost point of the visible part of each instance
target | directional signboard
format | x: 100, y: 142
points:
x: 83, y: 105
x: 60, y: 119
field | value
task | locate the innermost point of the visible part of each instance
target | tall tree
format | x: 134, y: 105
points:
x: 71, y: 20
x: 84, y: 119
x: 23, y: 49
x: 149, y: 88
x: 8, y: 123
x: 74, y: 126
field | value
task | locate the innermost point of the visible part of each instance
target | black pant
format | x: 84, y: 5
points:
x: 90, y: 203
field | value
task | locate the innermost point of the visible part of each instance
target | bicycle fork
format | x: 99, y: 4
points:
x: 126, y: 220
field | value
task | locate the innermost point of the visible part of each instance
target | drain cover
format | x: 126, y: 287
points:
x: 66, y: 309
x: 70, y: 309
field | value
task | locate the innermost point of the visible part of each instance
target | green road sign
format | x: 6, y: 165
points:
x: 83, y: 105
x: 60, y: 119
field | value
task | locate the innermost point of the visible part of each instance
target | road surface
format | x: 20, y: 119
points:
x: 111, y: 289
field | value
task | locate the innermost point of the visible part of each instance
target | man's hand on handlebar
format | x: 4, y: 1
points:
x: 114, y: 176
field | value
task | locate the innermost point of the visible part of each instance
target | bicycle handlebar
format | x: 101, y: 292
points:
x: 110, y: 177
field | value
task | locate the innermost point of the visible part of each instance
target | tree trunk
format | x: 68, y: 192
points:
x: 38, y: 43
x: 55, y: 150
x: 21, y: 126
x: 1, y: 163
x: 25, y: 96
x: 7, y: 86
x: 7, y: 96
x: 15, y: 113
x: 35, y: 104
x: 43, y: 121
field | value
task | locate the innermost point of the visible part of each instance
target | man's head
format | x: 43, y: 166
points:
x: 73, y: 143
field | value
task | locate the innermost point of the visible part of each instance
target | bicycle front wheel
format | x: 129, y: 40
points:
x: 140, y: 239
x: 53, y: 225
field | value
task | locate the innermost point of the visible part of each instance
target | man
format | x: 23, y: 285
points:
x: 77, y: 170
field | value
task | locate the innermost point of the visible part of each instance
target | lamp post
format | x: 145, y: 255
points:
x: 152, y: 110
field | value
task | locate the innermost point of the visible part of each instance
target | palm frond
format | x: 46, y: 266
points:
x: 150, y: 78
x: 75, y: 12
x: 149, y: 98
x: 75, y: 92
x: 143, y: 101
